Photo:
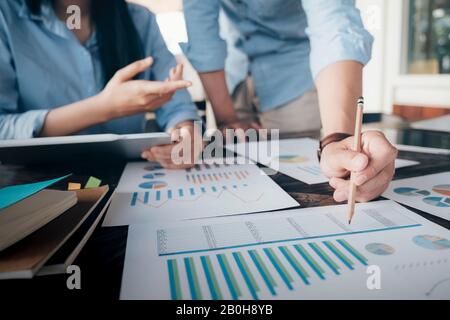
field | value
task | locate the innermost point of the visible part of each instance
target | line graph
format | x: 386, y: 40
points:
x: 160, y: 198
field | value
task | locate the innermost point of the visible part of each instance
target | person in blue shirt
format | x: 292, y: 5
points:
x: 303, y: 56
x: 100, y: 77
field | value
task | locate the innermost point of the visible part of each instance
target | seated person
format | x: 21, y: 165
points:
x: 94, y: 79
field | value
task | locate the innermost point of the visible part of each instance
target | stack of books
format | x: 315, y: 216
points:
x: 43, y: 230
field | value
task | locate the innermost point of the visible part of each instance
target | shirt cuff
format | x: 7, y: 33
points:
x: 179, y: 117
x: 207, y: 59
x: 22, y: 125
x: 39, y: 120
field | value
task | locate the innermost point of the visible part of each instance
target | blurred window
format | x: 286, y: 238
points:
x: 170, y: 18
x: 429, y: 37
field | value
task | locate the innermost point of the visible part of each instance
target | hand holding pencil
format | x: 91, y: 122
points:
x: 372, y: 166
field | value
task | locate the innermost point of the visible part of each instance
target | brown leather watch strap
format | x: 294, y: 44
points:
x: 334, y: 137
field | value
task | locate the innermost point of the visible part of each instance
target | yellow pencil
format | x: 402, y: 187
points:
x: 356, y: 147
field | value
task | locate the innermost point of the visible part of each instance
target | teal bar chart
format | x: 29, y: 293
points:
x: 261, y: 271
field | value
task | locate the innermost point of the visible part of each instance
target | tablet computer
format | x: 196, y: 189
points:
x: 75, y: 148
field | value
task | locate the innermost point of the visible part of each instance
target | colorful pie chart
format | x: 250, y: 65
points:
x: 380, y: 249
x: 405, y: 191
x: 440, y: 202
x: 431, y: 242
x: 153, y: 185
x: 154, y: 175
x: 443, y: 189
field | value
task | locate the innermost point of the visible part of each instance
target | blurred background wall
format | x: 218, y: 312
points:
x: 409, y: 74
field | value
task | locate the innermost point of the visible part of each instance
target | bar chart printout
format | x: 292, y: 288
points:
x: 298, y: 254
x: 147, y: 195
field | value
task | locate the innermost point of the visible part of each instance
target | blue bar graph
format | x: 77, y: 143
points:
x: 339, y: 254
x: 231, y: 282
x: 262, y: 272
x: 280, y: 269
x: 256, y: 271
x: 134, y: 199
x: 245, y: 275
x: 352, y: 251
x: 310, y: 261
x: 209, y: 278
x: 295, y: 265
x: 324, y: 257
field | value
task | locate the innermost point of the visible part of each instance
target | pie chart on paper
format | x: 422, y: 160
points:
x: 431, y: 242
x: 154, y: 175
x: 438, y: 201
x: 443, y: 189
x: 406, y: 191
x: 380, y: 249
x: 153, y: 185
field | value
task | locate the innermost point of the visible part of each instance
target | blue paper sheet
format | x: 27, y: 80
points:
x: 13, y: 194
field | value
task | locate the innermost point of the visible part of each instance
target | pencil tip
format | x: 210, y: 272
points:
x: 349, y: 221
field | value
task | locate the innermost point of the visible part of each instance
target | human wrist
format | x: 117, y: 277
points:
x: 330, y: 140
x: 104, y: 106
x: 227, y: 119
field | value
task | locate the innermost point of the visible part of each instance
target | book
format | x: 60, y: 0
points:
x: 25, y: 258
x: 26, y: 216
x: 12, y: 194
x: 68, y: 252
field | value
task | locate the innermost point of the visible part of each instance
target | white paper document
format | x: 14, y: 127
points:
x: 387, y: 252
x: 147, y: 193
x: 430, y: 193
x: 296, y: 158
x: 402, y: 163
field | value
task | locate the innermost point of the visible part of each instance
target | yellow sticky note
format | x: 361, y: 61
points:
x: 74, y: 186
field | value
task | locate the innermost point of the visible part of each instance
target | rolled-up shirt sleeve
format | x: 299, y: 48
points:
x: 180, y: 107
x: 206, y: 50
x: 336, y: 33
x: 13, y: 124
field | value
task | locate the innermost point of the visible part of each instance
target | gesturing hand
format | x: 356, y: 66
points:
x: 124, y: 96
x: 372, y: 169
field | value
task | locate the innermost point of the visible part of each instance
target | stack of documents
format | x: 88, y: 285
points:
x: 207, y: 233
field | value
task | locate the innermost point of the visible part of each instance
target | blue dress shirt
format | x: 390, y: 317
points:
x: 288, y: 42
x: 44, y: 66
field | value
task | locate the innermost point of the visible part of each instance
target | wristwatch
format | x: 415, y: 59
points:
x: 334, y: 137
